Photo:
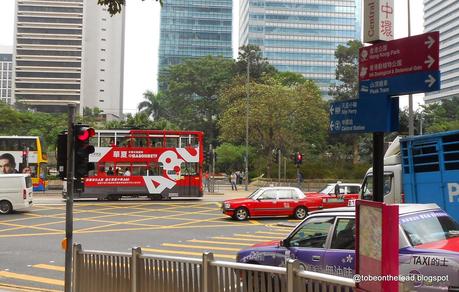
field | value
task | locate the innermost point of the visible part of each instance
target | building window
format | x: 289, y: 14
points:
x: 101, y: 100
x: 101, y: 90
x: 103, y: 50
x: 103, y: 60
x: 102, y: 80
x: 103, y: 39
x: 102, y: 70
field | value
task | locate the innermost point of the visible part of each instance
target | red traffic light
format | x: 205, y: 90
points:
x: 299, y: 157
x: 84, y: 133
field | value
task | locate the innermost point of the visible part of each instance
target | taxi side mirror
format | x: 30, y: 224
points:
x: 337, y: 190
x: 284, y: 243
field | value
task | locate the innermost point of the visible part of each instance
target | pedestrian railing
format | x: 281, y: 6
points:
x: 137, y: 272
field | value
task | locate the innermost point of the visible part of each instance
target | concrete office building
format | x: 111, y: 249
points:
x: 68, y: 51
x: 194, y: 28
x: 443, y: 16
x: 301, y: 35
x: 6, y: 73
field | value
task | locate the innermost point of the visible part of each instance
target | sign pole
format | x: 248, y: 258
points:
x: 410, y: 97
x: 69, y: 200
x: 378, y: 166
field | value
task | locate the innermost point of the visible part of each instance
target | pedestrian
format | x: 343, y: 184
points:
x: 110, y: 171
x: 206, y: 181
x: 233, y: 181
x: 127, y: 172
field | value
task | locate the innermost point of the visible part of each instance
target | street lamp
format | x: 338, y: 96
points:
x: 247, y: 123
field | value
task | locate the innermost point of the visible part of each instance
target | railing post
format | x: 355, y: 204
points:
x: 76, y: 266
x: 293, y: 267
x: 136, y: 252
x: 207, y: 271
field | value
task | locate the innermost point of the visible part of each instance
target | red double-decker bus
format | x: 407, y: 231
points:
x: 159, y: 164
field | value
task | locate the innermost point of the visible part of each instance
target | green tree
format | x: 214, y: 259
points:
x: 231, y: 157
x: 346, y: 72
x: 290, y: 78
x: 115, y: 6
x: 288, y: 118
x: 259, y: 66
x: 441, y: 116
x: 192, y: 90
x: 152, y: 106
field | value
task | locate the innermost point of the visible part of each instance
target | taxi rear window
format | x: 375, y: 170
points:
x: 427, y: 227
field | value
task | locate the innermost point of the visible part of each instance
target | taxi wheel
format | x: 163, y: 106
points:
x: 300, y: 213
x: 241, y: 214
x: 5, y: 207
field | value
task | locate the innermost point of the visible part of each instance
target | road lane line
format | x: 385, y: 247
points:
x: 50, y: 267
x: 189, y: 253
x: 25, y: 277
x: 13, y: 287
x: 219, y: 242
x: 270, y: 233
x: 203, y: 247
x: 239, y: 239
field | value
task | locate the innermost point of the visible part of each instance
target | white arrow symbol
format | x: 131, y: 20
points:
x: 429, y: 42
x: 332, y: 110
x: 331, y: 126
x: 430, y: 81
x: 430, y: 61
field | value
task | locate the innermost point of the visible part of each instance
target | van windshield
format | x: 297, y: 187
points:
x: 28, y: 180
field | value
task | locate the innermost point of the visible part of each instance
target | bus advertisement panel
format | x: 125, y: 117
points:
x: 153, y: 163
x: 24, y: 154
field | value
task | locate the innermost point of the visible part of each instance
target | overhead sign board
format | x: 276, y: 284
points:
x: 378, y: 23
x: 398, y: 57
x: 399, y: 85
x: 364, y: 115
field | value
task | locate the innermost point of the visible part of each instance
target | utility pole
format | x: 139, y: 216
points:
x: 213, y: 170
x: 279, y: 160
x: 69, y: 199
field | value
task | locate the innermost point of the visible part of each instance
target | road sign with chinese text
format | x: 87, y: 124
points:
x: 378, y: 24
x: 398, y: 57
x: 399, y: 85
x: 364, y: 115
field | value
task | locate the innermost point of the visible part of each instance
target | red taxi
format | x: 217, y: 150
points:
x: 272, y: 201
x: 337, y: 194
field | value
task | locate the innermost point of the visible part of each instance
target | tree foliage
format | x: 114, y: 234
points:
x: 259, y: 66
x: 288, y: 118
x: 347, y: 71
x: 191, y: 92
x: 153, y: 105
x: 115, y: 6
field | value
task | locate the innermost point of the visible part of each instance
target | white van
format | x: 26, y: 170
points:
x: 16, y: 192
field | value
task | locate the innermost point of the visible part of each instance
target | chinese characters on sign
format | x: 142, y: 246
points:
x: 378, y: 20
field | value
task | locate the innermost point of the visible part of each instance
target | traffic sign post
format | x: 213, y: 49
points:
x: 404, y: 66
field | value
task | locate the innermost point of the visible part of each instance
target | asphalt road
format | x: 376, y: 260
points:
x: 31, y: 258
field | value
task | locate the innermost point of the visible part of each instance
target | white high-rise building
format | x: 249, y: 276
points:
x: 68, y: 51
x: 443, y: 16
x: 301, y: 35
x: 6, y: 73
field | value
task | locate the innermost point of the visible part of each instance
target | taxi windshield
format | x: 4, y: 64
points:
x: 429, y: 227
x: 327, y: 190
x: 252, y: 195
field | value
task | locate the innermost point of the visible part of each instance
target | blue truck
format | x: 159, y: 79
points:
x: 421, y: 169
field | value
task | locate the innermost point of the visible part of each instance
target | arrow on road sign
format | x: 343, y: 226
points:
x: 430, y: 81
x: 332, y: 110
x: 430, y: 41
x: 430, y: 61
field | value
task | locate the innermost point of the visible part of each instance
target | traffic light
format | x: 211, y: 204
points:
x: 293, y: 158
x: 62, y: 154
x: 299, y: 158
x: 275, y: 156
x: 83, y: 148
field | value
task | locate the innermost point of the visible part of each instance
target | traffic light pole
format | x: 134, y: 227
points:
x: 69, y: 199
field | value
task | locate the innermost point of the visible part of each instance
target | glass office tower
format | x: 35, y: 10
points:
x: 301, y: 35
x: 194, y: 28
x: 443, y: 16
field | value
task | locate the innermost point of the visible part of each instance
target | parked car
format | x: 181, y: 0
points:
x: 338, y: 194
x: 325, y: 242
x: 272, y: 201
x: 16, y: 192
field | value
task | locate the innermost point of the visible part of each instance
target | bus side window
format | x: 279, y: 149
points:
x: 139, y: 169
x: 172, y: 142
x: 156, y: 142
x: 155, y: 168
x: 106, y: 141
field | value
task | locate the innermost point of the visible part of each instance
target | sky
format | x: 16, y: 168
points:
x: 142, y: 42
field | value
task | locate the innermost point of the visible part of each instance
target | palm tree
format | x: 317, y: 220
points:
x: 152, y: 105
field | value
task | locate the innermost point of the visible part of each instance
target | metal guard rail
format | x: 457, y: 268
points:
x: 101, y: 271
